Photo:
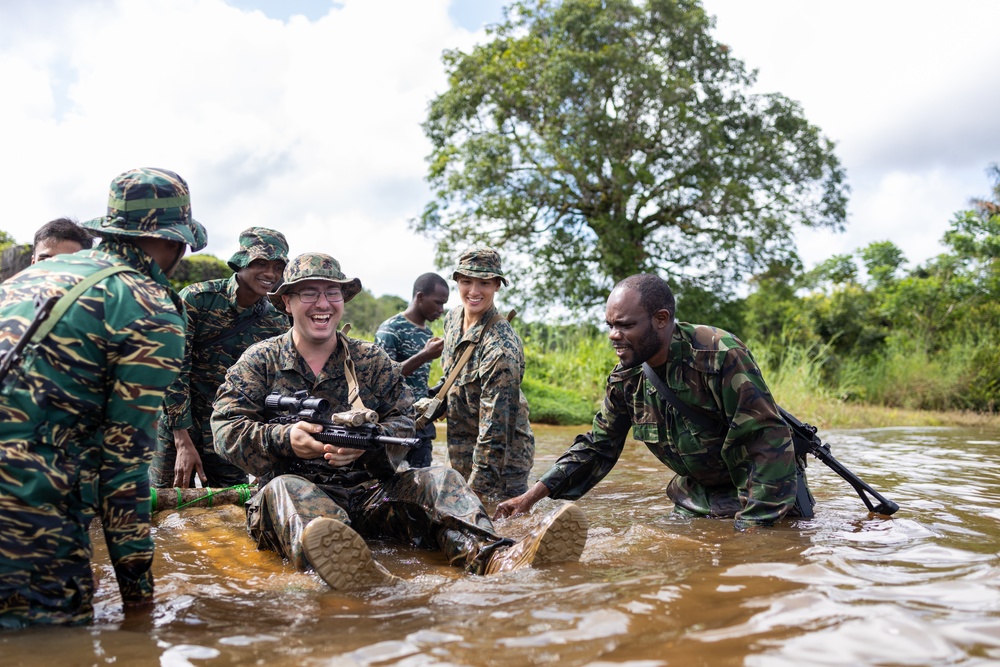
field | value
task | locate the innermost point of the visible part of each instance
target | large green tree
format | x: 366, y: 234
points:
x: 593, y: 139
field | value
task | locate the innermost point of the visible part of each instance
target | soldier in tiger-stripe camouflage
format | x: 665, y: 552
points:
x: 77, y: 412
x: 745, y: 469
x: 224, y: 318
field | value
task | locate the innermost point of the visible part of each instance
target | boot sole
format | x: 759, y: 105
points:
x: 340, y: 556
x: 565, y: 537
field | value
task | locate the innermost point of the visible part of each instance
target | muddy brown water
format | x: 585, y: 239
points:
x: 652, y: 589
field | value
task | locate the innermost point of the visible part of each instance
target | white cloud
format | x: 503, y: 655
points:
x: 313, y: 127
x: 908, y: 90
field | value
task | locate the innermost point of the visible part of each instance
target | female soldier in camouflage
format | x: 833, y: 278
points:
x: 489, y: 438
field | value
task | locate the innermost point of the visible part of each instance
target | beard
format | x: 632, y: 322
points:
x: 644, y: 349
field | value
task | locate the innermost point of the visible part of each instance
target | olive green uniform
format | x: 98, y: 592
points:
x: 745, y: 469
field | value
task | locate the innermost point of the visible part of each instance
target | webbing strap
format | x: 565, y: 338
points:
x: 464, y: 359
x: 67, y: 299
x: 147, y: 204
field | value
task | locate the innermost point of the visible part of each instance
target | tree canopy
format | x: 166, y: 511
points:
x: 592, y: 139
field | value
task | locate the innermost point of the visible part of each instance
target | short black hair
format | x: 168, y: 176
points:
x: 428, y: 282
x: 654, y: 292
x: 64, y: 229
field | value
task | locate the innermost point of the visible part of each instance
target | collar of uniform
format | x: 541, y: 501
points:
x: 476, y: 332
x: 230, y: 290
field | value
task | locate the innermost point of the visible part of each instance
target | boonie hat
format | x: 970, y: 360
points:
x: 480, y: 262
x: 259, y: 243
x: 151, y: 203
x: 314, y: 266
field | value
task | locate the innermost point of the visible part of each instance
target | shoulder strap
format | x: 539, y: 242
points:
x: 259, y: 310
x: 464, y: 359
x: 67, y: 299
x: 694, y: 415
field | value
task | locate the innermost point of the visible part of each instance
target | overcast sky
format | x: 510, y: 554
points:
x: 305, y: 115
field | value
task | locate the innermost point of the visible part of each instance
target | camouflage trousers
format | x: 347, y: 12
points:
x: 431, y: 508
x: 221, y: 473
x: 518, y: 458
x: 45, y: 570
x: 723, y: 501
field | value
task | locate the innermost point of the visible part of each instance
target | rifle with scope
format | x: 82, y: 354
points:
x: 354, y: 429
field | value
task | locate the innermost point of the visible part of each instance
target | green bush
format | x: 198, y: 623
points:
x: 553, y: 405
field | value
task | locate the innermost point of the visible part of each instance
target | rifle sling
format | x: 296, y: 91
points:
x: 67, y: 299
x: 466, y: 354
x: 693, y: 415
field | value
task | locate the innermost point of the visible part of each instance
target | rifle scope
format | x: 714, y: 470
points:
x: 298, y: 402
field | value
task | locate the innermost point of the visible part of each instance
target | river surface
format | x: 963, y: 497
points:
x: 652, y: 589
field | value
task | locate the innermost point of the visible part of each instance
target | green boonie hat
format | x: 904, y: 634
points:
x: 150, y: 203
x: 259, y: 243
x: 479, y: 262
x: 314, y: 266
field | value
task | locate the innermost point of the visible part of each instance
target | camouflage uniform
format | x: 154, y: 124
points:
x: 401, y: 339
x: 76, y: 415
x: 212, y: 310
x: 489, y: 437
x: 745, y: 470
x: 429, y: 507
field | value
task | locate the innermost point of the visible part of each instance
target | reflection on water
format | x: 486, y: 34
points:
x: 652, y: 589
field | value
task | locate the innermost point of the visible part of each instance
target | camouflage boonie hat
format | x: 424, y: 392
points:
x: 259, y: 243
x: 314, y: 266
x: 151, y: 203
x: 479, y: 262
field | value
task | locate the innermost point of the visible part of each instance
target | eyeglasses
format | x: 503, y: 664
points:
x: 312, y: 295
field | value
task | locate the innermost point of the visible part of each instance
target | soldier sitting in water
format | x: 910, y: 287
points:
x: 224, y: 318
x: 317, y: 500
x: 745, y: 469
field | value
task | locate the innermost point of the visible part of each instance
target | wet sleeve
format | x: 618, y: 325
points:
x: 143, y: 360
x: 594, y: 454
x: 758, y: 449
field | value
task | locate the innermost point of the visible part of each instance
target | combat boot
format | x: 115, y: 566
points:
x: 559, y: 538
x: 340, y: 556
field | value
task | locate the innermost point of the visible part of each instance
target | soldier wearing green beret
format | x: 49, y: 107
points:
x: 489, y: 438
x: 745, y: 468
x: 77, y: 409
x: 318, y: 502
x: 224, y: 318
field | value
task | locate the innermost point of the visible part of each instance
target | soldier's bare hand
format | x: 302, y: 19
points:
x: 521, y: 504
x: 304, y: 445
x: 187, y: 461
x: 434, y: 347
x: 341, y: 456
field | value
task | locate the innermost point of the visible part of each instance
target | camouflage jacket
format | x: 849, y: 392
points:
x: 713, y: 371
x: 401, y: 339
x: 211, y: 310
x: 489, y: 436
x: 240, y: 425
x: 76, y: 427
